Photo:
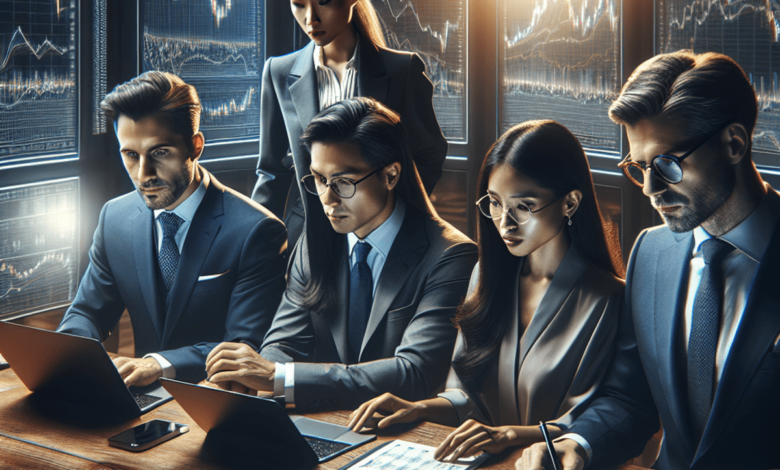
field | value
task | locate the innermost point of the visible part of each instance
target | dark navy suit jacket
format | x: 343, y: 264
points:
x: 230, y: 236
x: 648, y: 377
x: 290, y: 100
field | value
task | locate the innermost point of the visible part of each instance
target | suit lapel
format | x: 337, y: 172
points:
x: 200, y: 237
x: 145, y: 260
x: 337, y: 321
x: 669, y: 291
x: 507, y: 357
x: 757, y: 330
x: 564, y: 280
x: 372, y: 80
x: 302, y: 83
x: 409, y: 246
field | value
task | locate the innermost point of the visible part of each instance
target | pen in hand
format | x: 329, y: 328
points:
x: 553, y: 455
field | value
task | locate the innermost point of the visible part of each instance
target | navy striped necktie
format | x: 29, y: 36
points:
x: 361, y: 293
x: 169, y: 252
x: 705, y: 329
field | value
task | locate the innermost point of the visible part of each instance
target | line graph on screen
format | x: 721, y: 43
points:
x: 436, y: 31
x: 214, y: 45
x: 561, y: 61
x: 39, y: 252
x: 747, y: 31
x: 38, y: 109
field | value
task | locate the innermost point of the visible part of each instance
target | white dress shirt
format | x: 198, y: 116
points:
x: 750, y: 240
x: 186, y: 211
x: 330, y: 90
x: 381, y: 240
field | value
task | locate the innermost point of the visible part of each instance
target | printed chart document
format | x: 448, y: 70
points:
x: 403, y: 455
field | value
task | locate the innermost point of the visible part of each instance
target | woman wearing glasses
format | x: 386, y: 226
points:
x: 346, y: 58
x: 538, y: 323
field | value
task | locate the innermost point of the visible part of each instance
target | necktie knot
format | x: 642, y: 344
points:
x: 714, y: 250
x: 361, y: 251
x: 170, y: 223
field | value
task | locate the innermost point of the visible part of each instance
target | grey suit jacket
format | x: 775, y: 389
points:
x: 409, y: 337
x: 553, y: 369
x: 290, y: 100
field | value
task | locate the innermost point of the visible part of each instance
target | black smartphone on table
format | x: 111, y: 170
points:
x: 147, y: 435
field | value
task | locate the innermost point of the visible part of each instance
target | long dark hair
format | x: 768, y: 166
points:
x: 379, y: 135
x: 551, y: 156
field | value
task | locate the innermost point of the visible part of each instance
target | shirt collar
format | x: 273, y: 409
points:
x: 351, y: 64
x: 186, y: 210
x: 382, y: 238
x: 753, y: 234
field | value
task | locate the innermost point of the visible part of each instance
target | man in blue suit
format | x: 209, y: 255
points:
x: 192, y: 261
x: 699, y: 343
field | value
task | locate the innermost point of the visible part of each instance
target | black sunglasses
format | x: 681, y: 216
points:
x: 666, y: 167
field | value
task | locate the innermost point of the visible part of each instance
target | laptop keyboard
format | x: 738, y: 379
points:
x: 145, y: 400
x: 323, y: 447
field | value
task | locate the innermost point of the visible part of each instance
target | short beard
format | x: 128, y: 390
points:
x: 173, y: 190
x: 700, y: 207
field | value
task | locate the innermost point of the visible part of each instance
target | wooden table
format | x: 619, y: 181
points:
x: 35, y: 435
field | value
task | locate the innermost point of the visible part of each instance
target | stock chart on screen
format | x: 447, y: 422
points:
x: 38, y: 246
x: 38, y: 108
x: 748, y: 31
x: 561, y: 61
x: 436, y: 31
x: 215, y: 45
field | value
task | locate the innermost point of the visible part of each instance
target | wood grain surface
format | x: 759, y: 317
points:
x: 44, y: 434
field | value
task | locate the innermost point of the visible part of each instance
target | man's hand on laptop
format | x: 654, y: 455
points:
x: 138, y: 372
x: 231, y: 363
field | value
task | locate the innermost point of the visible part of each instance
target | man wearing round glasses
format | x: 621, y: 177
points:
x: 374, y: 281
x: 699, y: 346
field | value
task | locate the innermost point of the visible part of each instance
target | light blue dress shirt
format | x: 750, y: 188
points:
x: 186, y: 210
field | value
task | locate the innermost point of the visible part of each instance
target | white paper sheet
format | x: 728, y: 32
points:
x: 403, y: 455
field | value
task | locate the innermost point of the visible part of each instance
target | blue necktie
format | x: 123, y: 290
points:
x: 361, y: 287
x: 169, y: 252
x: 705, y: 329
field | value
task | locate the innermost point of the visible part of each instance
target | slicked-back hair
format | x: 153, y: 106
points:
x: 698, y: 93
x: 379, y: 135
x: 157, y: 93
x: 549, y: 155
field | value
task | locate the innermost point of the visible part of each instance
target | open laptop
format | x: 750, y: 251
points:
x: 73, y: 369
x: 265, y: 420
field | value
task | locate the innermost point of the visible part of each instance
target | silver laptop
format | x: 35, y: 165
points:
x: 266, y: 421
x: 74, y: 369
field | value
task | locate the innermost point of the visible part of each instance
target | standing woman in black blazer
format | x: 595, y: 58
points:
x: 346, y: 57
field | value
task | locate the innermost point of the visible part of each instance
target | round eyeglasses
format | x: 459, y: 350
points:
x: 491, y: 207
x: 666, y: 167
x: 344, y: 188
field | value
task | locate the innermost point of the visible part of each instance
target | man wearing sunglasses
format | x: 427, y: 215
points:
x: 699, y: 344
x: 373, y: 283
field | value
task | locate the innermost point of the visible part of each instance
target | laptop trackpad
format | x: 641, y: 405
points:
x: 314, y: 428
x: 154, y: 389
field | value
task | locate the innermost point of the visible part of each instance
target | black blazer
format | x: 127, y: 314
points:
x: 290, y: 100
x: 648, y: 376
x: 230, y: 237
x: 409, y: 337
